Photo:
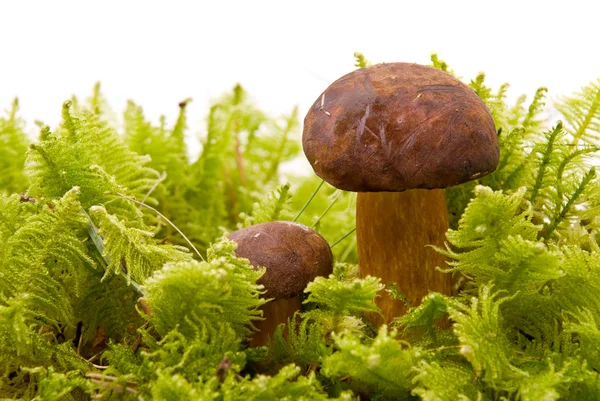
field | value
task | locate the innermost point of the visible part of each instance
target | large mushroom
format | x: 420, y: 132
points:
x: 398, y: 134
x: 293, y: 256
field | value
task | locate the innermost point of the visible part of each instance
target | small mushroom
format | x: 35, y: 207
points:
x: 397, y: 133
x: 293, y: 256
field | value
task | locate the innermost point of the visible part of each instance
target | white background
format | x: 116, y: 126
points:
x: 284, y: 53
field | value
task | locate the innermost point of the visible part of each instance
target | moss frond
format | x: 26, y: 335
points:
x: 304, y: 345
x: 348, y: 296
x: 221, y: 290
x: 383, y: 368
x: 87, y: 153
x: 483, y: 342
x: 582, y: 113
x: 13, y: 144
x: 271, y: 208
x: 360, y: 60
x: 133, y: 248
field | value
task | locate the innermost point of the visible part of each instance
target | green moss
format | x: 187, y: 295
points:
x: 99, y: 299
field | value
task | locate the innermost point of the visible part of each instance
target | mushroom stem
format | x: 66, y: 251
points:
x: 276, y: 312
x: 393, y: 230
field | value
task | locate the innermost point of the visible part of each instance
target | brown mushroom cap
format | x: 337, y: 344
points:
x: 398, y: 126
x: 292, y: 253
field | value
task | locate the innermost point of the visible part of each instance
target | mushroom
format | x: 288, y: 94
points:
x: 293, y: 256
x: 397, y: 134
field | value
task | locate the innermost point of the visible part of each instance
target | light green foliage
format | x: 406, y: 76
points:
x: 483, y: 342
x: 190, y: 379
x: 287, y: 385
x: 166, y: 148
x: 421, y: 319
x: 168, y: 153
x: 497, y: 245
x: 304, y: 344
x: 334, y: 305
x: 529, y: 235
x: 90, y: 279
x: 133, y: 248
x: 582, y: 113
x: 35, y: 294
x: 440, y: 64
x: 63, y: 294
x: 560, y: 185
x: 42, y: 259
x: 224, y: 188
x: 13, y: 144
x: 271, y: 208
x: 520, y: 131
x: 360, y: 60
x: 500, y: 225
x: 221, y: 290
x: 54, y: 386
x: 578, y: 287
x: 551, y: 163
x: 342, y: 298
x: 382, y: 368
x: 332, y: 213
x: 584, y: 326
x: 447, y: 380
x: 343, y: 292
x: 194, y: 358
x: 87, y: 153
x: 547, y: 281
x: 13, y: 213
x: 549, y: 384
x: 42, y: 242
x: 541, y: 295
x: 241, y: 154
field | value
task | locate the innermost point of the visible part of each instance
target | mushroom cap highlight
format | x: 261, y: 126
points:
x: 398, y: 126
x: 292, y: 254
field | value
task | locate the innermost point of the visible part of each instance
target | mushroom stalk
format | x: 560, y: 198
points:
x: 276, y: 312
x: 393, y: 230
